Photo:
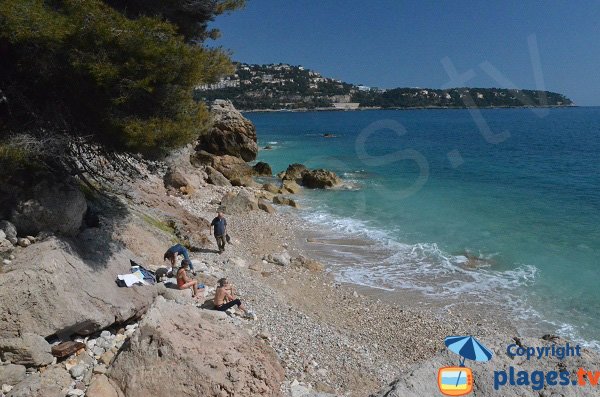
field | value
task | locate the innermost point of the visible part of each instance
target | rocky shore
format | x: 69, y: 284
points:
x: 312, y: 336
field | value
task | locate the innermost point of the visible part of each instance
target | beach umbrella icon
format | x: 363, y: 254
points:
x: 468, y: 348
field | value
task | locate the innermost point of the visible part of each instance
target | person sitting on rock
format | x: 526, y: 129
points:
x: 220, y: 226
x: 185, y: 282
x: 175, y: 250
x: 224, y: 298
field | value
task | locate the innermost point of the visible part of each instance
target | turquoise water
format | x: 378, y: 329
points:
x: 430, y: 189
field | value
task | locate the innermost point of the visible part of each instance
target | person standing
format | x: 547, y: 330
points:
x: 220, y: 230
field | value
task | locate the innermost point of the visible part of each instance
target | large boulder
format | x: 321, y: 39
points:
x: 233, y: 168
x: 12, y: 374
x: 295, y: 172
x: 50, y: 290
x: 10, y: 231
x: 179, y: 350
x: 262, y: 169
x: 50, y: 207
x: 320, y: 179
x: 5, y: 245
x: 101, y: 386
x: 241, y: 202
x: 216, y: 178
x: 282, y: 200
x: 28, y: 349
x: 231, y: 133
x: 53, y: 382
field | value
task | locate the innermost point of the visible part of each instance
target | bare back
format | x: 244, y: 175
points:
x: 220, y: 296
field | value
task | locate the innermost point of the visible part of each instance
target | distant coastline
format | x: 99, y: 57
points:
x: 360, y: 109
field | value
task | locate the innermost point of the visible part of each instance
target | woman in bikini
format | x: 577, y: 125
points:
x: 185, y: 282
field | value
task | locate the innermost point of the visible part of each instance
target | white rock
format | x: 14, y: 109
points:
x: 105, y: 334
x: 23, y: 242
x: 7, y: 262
x: 77, y: 371
x: 6, y: 388
x: 75, y: 393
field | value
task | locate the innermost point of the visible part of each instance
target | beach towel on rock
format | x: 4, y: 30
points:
x: 148, y: 275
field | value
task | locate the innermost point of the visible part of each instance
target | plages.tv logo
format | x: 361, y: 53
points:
x: 458, y: 381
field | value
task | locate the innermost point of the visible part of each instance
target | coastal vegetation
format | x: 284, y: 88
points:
x: 283, y: 86
x: 114, y: 74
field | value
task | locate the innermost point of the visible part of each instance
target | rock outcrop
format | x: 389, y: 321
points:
x: 262, y: 169
x: 320, y: 179
x: 180, y: 350
x: 53, y: 382
x: 241, y: 202
x: 48, y: 289
x: 50, y: 207
x: 282, y: 200
x: 216, y: 178
x: 27, y: 349
x: 231, y: 133
x: 294, y: 172
x: 9, y: 230
x: 233, y: 168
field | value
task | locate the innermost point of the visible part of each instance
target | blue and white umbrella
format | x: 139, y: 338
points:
x: 468, y: 348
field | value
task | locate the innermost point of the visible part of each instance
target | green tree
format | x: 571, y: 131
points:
x: 88, y: 69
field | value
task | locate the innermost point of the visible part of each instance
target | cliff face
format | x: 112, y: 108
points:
x: 231, y: 133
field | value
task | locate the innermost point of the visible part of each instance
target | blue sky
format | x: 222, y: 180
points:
x: 386, y: 43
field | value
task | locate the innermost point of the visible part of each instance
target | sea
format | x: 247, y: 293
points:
x: 495, y: 207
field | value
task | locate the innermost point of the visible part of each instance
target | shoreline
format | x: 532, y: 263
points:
x: 305, y: 315
x: 332, y: 109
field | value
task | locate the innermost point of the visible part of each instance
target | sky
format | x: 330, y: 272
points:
x: 551, y: 45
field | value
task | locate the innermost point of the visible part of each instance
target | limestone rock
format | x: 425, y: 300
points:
x: 291, y: 186
x: 53, y: 382
x: 262, y: 169
x: 231, y: 133
x: 23, y: 242
x: 192, y: 352
x: 307, y: 263
x: 320, y: 179
x: 28, y: 349
x: 175, y: 178
x: 50, y: 207
x: 268, y: 208
x: 102, y: 387
x: 5, y: 245
x: 281, y: 259
x: 216, y: 178
x: 271, y: 188
x: 239, y: 203
x: 10, y: 231
x: 282, y: 200
x: 11, y: 374
x: 50, y: 290
x: 233, y: 168
x: 295, y: 172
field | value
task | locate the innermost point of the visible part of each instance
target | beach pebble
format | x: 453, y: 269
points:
x: 23, y: 242
x: 75, y: 393
x: 77, y: 371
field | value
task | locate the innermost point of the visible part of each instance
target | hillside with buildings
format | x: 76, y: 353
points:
x: 283, y: 86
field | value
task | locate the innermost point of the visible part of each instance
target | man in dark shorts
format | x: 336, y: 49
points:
x: 220, y: 226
